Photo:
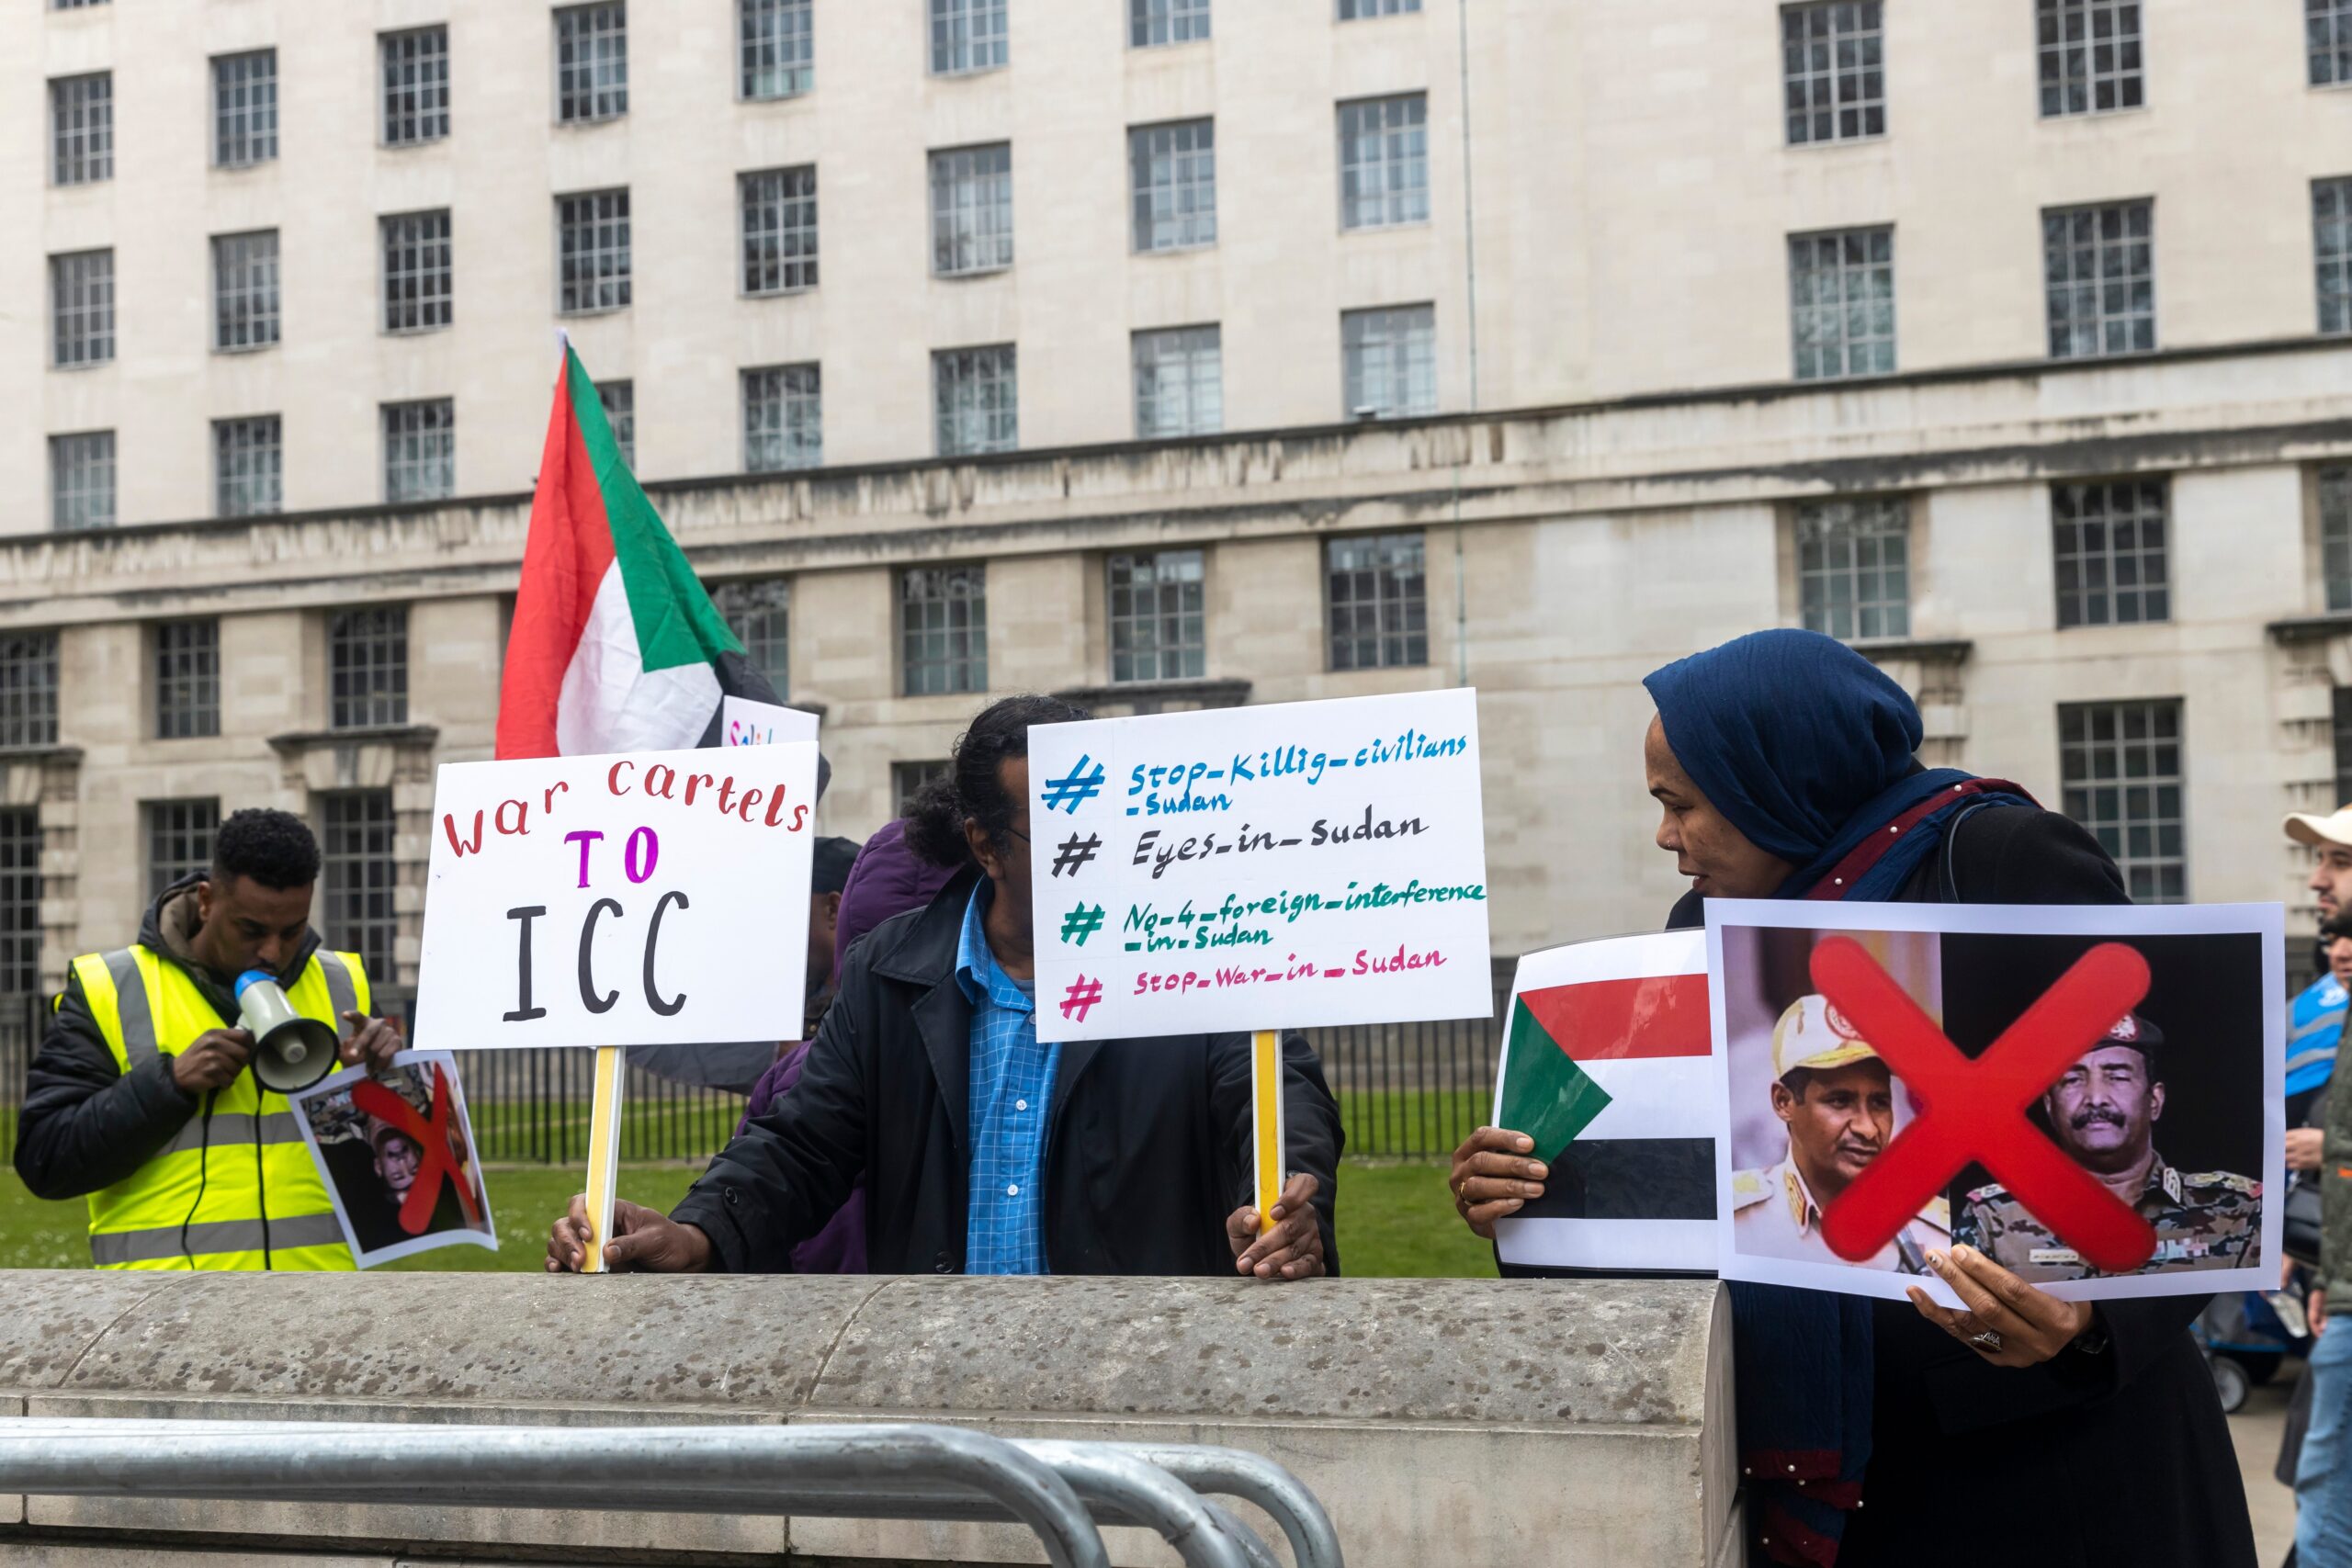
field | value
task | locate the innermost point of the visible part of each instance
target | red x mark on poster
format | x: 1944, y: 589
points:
x: 1977, y: 1109
x: 436, y: 1160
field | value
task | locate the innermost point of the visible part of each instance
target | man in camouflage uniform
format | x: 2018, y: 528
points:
x: 2104, y: 1112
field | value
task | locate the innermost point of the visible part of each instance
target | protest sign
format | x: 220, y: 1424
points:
x: 2091, y: 1097
x: 1606, y: 1065
x: 396, y: 1154
x: 745, y: 722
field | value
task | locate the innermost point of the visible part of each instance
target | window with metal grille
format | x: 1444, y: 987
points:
x: 2327, y: 26
x: 1171, y: 173
x: 81, y: 479
x: 245, y: 289
x: 368, y: 667
x: 420, y: 292
x: 2090, y: 55
x: 1376, y: 595
x: 619, y: 398
x: 1841, y: 302
x: 244, y: 109
x: 188, y: 679
x: 776, y: 48
x: 906, y: 781
x: 1384, y: 161
x: 967, y: 35
x: 975, y: 400
x: 179, y: 839
x: 2343, y: 726
x: 1357, y: 10
x: 971, y: 209
x: 759, y: 611
x: 357, y: 875
x: 81, y: 308
x: 2332, y: 252
x: 1388, y: 361
x: 2120, y: 767
x: 592, y: 252
x: 1151, y: 23
x: 2109, y: 539
x: 19, y: 901
x: 1179, y: 382
x: 28, y: 688
x: 1832, y: 71
x: 943, y: 629
x: 591, y: 63
x: 1159, y: 625
x: 414, y: 66
x: 784, y: 418
x: 248, y: 466
x: 81, y: 129
x: 2099, y: 272
x: 779, y: 213
x: 1854, y: 568
x: 420, y: 450
x: 2335, y: 541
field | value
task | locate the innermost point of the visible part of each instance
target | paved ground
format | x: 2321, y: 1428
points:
x: 2256, y: 1428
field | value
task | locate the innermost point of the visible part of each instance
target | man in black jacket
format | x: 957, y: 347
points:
x: 1125, y: 1157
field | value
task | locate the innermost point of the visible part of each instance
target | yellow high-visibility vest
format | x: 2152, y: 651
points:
x: 244, y: 1192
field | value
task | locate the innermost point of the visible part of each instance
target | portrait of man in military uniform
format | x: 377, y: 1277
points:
x: 2104, y: 1112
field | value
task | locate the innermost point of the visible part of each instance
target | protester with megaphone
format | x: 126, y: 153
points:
x: 159, y: 1089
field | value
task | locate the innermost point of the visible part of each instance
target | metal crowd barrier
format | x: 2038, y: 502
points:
x: 1062, y: 1490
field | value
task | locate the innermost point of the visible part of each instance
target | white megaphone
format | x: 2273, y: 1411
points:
x: 291, y: 1051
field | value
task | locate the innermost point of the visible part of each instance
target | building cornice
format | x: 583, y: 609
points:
x: 2310, y: 628
x: 1925, y: 651
x: 1217, y: 694
x: 295, y: 742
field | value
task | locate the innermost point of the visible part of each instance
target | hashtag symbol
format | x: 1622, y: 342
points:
x: 1081, y: 923
x: 1075, y: 786
x: 1083, y: 994
x: 1076, y: 851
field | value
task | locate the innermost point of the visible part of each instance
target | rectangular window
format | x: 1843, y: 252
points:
x: 414, y: 66
x: 1841, y: 302
x: 420, y: 292
x: 943, y: 629
x: 971, y: 209
x: 975, y: 400
x: 1172, y: 180
x: 2332, y: 252
x: 81, y: 308
x: 2099, y: 272
x: 357, y: 875
x: 1388, y: 361
x: 1384, y: 161
x: 188, y: 679
x: 2109, y: 539
x: 248, y: 467
x: 1179, y: 382
x: 967, y: 35
x: 1158, y: 626
x: 20, y: 901
x: 1833, y: 70
x: 2090, y: 55
x: 368, y: 668
x: 244, y: 109
x: 592, y: 252
x: 779, y: 213
x: 75, y: 4
x: 2327, y: 26
x: 1151, y: 23
x: 759, y: 611
x: 591, y: 63
x: 245, y: 289
x: 81, y: 129
x: 2336, y: 540
x: 81, y: 481
x: 908, y: 779
x: 619, y: 398
x: 776, y: 48
x: 2343, y: 705
x: 1357, y: 10
x: 179, y: 839
x: 1377, y: 595
x: 28, y: 688
x: 420, y: 450
x: 2121, y: 766
x: 784, y: 418
x: 1854, y: 568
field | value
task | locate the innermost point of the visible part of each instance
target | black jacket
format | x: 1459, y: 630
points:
x: 1148, y: 1142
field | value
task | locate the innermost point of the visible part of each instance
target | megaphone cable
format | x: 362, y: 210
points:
x: 203, y: 1175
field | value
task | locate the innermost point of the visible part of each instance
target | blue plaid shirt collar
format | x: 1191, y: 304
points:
x: 977, y: 971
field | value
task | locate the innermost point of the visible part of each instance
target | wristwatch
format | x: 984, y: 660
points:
x: 2091, y: 1341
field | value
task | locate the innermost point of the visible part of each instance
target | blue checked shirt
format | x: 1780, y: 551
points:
x: 1013, y: 1082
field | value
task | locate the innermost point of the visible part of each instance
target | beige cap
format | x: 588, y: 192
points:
x: 2306, y: 828
x: 1816, y: 1035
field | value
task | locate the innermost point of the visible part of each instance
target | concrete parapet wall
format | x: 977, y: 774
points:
x: 1440, y: 1421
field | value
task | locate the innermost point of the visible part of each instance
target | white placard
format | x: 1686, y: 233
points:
x: 653, y: 899
x: 371, y: 1160
x: 743, y: 722
x: 1259, y: 867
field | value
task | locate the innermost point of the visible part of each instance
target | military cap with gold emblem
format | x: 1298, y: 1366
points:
x: 1814, y: 1035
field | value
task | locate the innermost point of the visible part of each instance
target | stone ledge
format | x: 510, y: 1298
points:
x: 1151, y: 696
x: 294, y: 742
x: 1926, y: 650
x: 2310, y: 628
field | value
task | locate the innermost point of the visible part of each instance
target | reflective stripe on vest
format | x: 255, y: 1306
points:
x: 138, y: 1018
x: 121, y: 1249
x: 232, y: 1127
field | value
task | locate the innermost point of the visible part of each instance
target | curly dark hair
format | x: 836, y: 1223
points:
x: 973, y: 787
x: 273, y: 848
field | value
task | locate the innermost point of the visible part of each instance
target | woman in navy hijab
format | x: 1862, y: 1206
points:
x: 2064, y: 1434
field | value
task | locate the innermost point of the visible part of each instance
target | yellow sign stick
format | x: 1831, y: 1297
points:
x: 604, y: 1152
x: 1266, y: 1120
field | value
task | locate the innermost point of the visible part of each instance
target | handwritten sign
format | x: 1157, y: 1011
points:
x: 743, y: 722
x: 1248, y: 868
x: 636, y: 900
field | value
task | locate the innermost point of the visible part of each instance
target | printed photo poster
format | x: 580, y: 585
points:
x: 396, y: 1154
x: 2091, y: 1097
x: 1251, y: 868
x: 1607, y: 1062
